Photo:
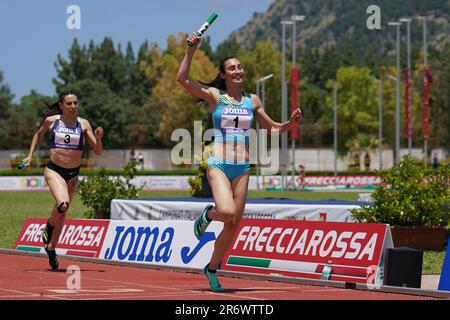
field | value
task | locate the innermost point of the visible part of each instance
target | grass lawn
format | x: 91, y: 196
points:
x: 15, y: 207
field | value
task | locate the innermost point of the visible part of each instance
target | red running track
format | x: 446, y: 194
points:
x: 25, y: 277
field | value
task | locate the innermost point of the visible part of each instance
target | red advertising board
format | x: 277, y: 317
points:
x: 78, y: 237
x: 303, y: 248
x: 356, y: 181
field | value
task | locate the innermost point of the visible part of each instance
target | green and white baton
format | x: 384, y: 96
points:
x: 205, y: 26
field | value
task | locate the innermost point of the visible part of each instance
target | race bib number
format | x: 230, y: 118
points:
x: 67, y: 139
x: 235, y: 122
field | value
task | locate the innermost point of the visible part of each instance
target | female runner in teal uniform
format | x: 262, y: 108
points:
x: 67, y: 134
x: 233, y: 111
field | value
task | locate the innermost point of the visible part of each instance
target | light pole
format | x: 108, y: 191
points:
x: 380, y: 119
x: 407, y: 85
x: 397, y: 107
x: 283, y: 103
x: 294, y: 93
x: 263, y: 82
x: 257, y: 141
x: 393, y: 79
x: 335, y: 131
x: 425, y: 132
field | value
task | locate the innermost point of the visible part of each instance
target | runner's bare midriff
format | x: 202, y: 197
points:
x: 236, y: 152
x: 65, y: 158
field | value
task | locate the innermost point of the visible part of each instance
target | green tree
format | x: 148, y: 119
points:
x: 315, y: 128
x: 100, y: 63
x: 440, y: 100
x: 317, y: 66
x: 264, y: 59
x: 207, y: 49
x: 6, y: 98
x: 27, y: 116
x: 139, y: 86
x: 357, y: 95
x: 175, y: 107
x: 225, y: 49
x: 103, y: 108
x: 76, y: 69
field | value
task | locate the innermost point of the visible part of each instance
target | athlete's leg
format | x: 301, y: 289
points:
x: 239, y: 187
x: 223, y: 197
x: 60, y: 192
x: 221, y: 188
x: 233, y: 199
x: 72, y: 185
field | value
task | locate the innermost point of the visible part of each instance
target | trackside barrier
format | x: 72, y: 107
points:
x: 181, y: 182
x: 164, y: 243
x: 190, y: 208
x: 303, y: 248
x: 261, y: 246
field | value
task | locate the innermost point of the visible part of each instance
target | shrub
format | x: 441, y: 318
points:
x: 410, y: 195
x: 199, y: 184
x: 98, y: 189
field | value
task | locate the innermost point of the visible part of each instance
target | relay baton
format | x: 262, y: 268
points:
x: 23, y: 165
x: 205, y: 26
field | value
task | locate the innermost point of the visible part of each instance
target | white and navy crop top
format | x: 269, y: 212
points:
x: 233, y: 120
x: 66, y: 137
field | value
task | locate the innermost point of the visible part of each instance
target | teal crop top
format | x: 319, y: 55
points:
x: 232, y: 120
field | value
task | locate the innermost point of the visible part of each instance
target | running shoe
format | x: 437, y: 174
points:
x: 201, y: 223
x: 52, y: 260
x: 47, y: 233
x: 213, y: 280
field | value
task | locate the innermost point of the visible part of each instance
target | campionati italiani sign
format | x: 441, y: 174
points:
x: 303, y: 248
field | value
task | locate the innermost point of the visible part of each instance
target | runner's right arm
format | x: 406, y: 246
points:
x: 38, y: 136
x: 193, y: 87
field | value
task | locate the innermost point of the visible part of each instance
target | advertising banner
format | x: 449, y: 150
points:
x: 169, y: 243
x: 78, y: 237
x: 23, y: 183
x: 341, y: 181
x: 273, y: 247
x: 181, y: 209
x: 303, y: 249
x: 444, y: 280
x: 30, y: 183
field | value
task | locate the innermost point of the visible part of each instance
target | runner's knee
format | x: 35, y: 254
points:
x: 62, y: 207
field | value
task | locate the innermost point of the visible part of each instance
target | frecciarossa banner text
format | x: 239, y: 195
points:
x: 303, y: 248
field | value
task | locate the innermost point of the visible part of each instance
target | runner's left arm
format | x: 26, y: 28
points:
x: 94, y: 138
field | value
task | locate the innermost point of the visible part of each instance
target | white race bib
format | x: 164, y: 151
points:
x: 68, y: 139
x: 229, y: 121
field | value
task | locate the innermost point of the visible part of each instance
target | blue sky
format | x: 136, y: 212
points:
x: 32, y: 33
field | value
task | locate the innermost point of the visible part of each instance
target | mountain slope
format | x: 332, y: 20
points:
x: 343, y: 23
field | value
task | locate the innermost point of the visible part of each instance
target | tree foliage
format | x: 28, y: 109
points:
x: 409, y: 196
x: 6, y: 98
x: 103, y: 108
x: 357, y: 95
x: 134, y: 95
x: 169, y: 100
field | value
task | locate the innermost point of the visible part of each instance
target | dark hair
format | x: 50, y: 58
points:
x: 54, y: 108
x: 219, y: 82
